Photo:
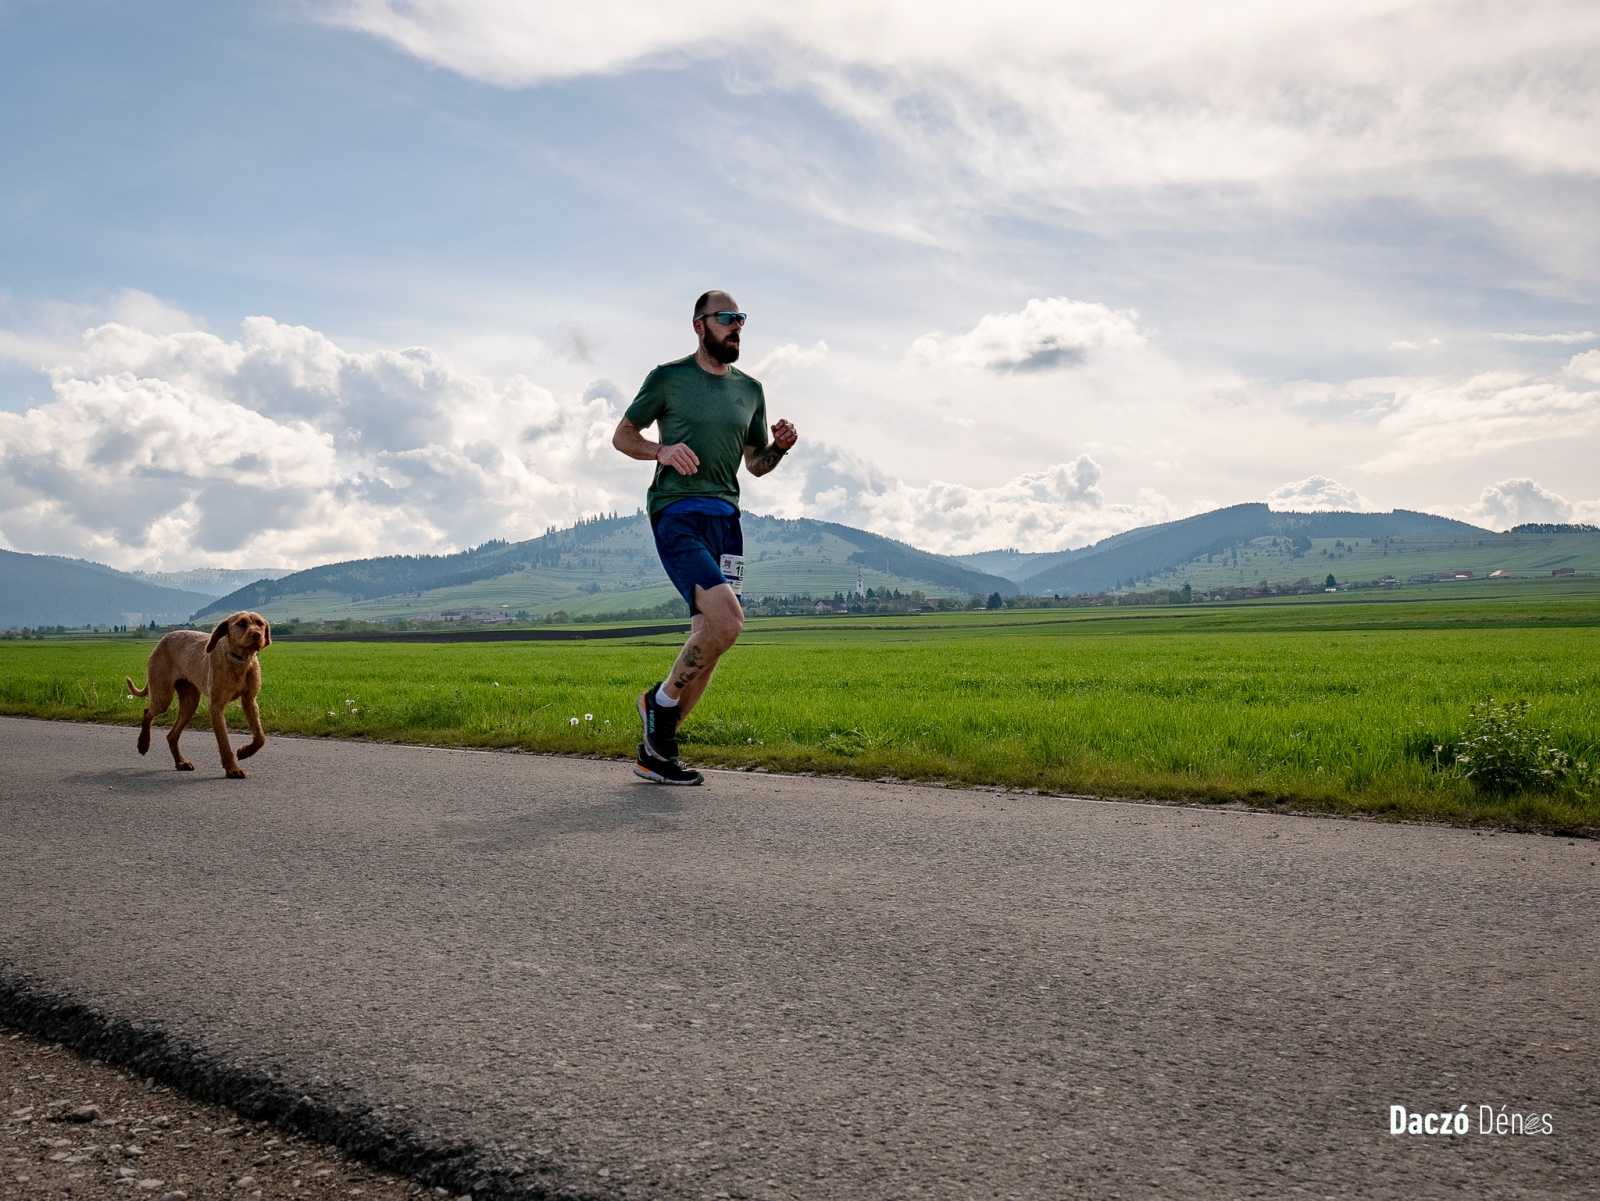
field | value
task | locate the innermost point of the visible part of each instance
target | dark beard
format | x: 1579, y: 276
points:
x: 723, y: 352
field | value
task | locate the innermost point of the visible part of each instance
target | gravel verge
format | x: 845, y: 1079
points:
x: 79, y: 1129
x: 224, y: 1125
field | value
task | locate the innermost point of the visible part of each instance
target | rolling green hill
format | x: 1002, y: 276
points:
x: 608, y: 565
x: 46, y: 590
x: 1160, y: 553
x: 1407, y: 560
x: 602, y: 565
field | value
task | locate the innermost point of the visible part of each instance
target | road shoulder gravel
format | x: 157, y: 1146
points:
x: 79, y: 1129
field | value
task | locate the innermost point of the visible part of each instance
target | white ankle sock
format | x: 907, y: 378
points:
x: 665, y: 701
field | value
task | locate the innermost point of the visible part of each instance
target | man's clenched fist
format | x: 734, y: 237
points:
x: 679, y: 457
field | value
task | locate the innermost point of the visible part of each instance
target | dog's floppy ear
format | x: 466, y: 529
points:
x: 267, y: 626
x: 217, y: 635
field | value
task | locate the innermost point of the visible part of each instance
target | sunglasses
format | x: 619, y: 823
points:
x: 725, y: 317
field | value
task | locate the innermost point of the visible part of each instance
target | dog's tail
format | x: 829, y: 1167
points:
x: 136, y: 691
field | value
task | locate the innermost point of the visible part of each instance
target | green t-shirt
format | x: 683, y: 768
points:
x: 717, y: 415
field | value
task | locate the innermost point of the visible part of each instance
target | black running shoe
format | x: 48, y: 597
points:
x: 664, y: 771
x: 660, y: 725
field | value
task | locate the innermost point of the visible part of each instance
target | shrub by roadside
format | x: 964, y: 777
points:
x: 1503, y: 753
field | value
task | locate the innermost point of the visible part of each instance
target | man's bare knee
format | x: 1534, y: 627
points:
x: 724, y: 633
x: 724, y: 618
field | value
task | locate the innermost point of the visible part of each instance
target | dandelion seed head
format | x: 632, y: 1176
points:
x: 588, y: 717
x: 572, y: 721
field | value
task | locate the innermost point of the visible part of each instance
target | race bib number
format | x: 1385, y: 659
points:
x: 733, y: 572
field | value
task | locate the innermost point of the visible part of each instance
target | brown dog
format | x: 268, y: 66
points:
x: 223, y: 667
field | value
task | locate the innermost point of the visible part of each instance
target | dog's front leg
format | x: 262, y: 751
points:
x: 252, y: 714
x: 224, y: 747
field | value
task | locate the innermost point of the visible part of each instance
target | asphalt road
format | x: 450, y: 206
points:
x: 804, y: 988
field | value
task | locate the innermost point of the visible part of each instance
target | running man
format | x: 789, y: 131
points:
x: 709, y: 415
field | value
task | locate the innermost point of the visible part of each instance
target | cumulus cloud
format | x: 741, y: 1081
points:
x: 1049, y: 333
x: 1512, y: 502
x: 277, y: 445
x: 177, y: 449
x: 1058, y: 507
x: 1317, y: 493
x: 1578, y: 336
x: 604, y: 389
x: 39, y: 334
x: 1585, y: 366
x: 789, y: 357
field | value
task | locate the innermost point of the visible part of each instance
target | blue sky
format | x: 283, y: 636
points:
x: 1022, y: 277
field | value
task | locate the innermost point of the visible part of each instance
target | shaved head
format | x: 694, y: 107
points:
x: 710, y: 302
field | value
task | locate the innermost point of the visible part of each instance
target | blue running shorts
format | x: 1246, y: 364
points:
x: 692, y: 536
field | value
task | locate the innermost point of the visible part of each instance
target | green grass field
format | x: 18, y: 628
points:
x: 1316, y: 705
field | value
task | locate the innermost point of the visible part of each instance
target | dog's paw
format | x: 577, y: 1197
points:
x: 184, y: 766
x: 236, y: 773
x: 247, y: 750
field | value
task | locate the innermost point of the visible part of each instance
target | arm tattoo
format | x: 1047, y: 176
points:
x: 766, y: 460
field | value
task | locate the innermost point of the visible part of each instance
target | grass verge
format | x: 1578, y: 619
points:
x: 1328, y: 720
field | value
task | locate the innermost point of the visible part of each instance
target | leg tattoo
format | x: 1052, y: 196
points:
x: 689, y: 665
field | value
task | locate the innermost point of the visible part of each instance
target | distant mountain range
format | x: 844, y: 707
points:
x: 45, y: 590
x: 608, y: 565
x: 211, y: 581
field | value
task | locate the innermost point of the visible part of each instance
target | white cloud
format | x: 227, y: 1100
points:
x: 515, y: 44
x: 44, y: 333
x: 1512, y: 502
x: 1408, y: 344
x: 1584, y: 335
x: 1169, y: 146
x: 1058, y: 507
x: 1431, y: 421
x: 1585, y: 366
x: 1146, y: 89
x: 280, y: 447
x: 1047, y: 334
x: 1317, y: 493
x: 789, y: 357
